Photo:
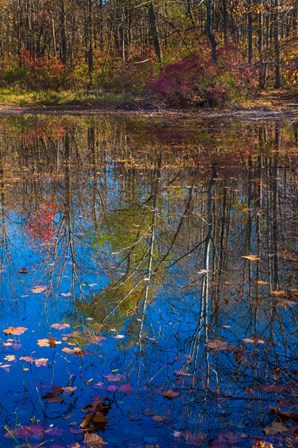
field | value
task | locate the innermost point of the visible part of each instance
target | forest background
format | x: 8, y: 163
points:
x: 167, y: 52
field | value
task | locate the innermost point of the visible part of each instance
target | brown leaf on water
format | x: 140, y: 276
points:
x: 99, y: 421
x: 38, y: 289
x: 56, y: 400
x: 97, y: 405
x: 56, y: 391
x: 5, y: 367
x: 114, y: 377
x: 94, y: 422
x: 16, y: 331
x: 10, y: 358
x: 169, y: 393
x: 217, y: 344
x: 43, y: 343
x: 262, y: 444
x: 94, y: 440
x: 60, y: 326
x: 286, y: 415
x: 73, y: 351
x: 41, y: 362
x: 27, y: 359
x: 161, y: 418
x: 251, y: 257
x: 86, y: 422
x: 68, y: 390
x: 51, y: 342
x: 275, y: 428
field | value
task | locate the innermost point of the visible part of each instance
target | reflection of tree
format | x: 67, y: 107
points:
x: 160, y: 230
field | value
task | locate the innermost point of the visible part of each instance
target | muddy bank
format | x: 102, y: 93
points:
x: 254, y: 114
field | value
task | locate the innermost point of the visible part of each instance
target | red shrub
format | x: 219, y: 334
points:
x: 196, y: 78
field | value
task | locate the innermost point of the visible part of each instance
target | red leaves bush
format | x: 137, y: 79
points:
x: 198, y: 79
x: 46, y: 73
x: 29, y: 70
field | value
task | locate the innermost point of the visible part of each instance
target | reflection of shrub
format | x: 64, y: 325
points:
x: 197, y: 79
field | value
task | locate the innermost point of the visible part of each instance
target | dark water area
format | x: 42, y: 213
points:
x: 148, y: 283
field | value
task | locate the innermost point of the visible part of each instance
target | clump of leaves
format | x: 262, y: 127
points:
x: 97, y: 410
x: 197, y: 79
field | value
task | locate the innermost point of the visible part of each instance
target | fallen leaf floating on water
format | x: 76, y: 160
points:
x: 10, y: 358
x: 253, y: 341
x: 126, y: 389
x: 112, y: 388
x: 94, y: 441
x: 114, y: 377
x: 96, y: 419
x: 286, y: 415
x: 262, y: 282
x: 262, y: 444
x: 38, y: 289
x: 275, y: 428
x: 161, y: 418
x: 251, y: 257
x: 16, y: 331
x: 68, y: 390
x: 53, y: 396
x: 217, y: 344
x: 73, y: 351
x: 60, y: 326
x: 51, y: 342
x: 169, y: 393
x: 41, y: 362
x: 5, y: 367
x: 27, y: 359
x: 98, y: 404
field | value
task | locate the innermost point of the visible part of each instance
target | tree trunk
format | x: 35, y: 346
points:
x: 154, y: 31
x: 208, y: 27
x: 276, y: 31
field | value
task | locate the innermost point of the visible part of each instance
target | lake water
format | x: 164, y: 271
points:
x: 148, y: 282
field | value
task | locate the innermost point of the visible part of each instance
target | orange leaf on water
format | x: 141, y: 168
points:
x: 16, y: 331
x: 169, y: 393
x: 60, y: 326
x: 73, y: 351
x: 41, y: 362
x: 10, y: 358
x: 38, y: 289
x: 94, y: 440
x: 27, y: 359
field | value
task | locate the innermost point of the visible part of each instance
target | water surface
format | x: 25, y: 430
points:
x: 148, y: 282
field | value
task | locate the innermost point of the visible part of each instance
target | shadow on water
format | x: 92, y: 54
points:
x: 148, y: 283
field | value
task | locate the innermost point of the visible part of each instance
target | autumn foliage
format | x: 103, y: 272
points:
x: 40, y: 223
x: 197, y: 79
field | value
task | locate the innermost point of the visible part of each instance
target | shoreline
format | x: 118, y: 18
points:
x: 253, y: 114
